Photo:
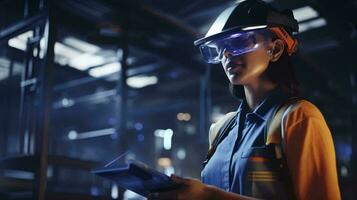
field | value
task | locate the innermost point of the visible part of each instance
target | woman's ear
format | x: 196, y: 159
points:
x: 277, y: 50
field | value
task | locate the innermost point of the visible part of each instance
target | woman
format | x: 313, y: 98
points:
x: 275, y: 146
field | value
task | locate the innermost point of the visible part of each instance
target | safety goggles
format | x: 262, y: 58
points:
x: 235, y: 44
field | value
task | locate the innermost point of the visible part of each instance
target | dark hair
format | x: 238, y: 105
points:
x: 280, y: 72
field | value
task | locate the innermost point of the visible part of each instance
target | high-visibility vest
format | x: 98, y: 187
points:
x: 261, y: 177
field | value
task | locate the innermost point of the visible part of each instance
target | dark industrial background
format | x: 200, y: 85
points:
x: 85, y: 81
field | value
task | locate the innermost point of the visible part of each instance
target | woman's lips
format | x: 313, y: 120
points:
x: 234, y: 67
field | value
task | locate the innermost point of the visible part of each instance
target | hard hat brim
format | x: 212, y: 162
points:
x: 228, y: 32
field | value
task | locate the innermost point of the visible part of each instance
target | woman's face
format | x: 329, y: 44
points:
x: 249, y: 67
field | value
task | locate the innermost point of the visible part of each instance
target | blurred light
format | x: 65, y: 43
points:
x: 84, y: 55
x: 180, y: 116
x: 216, y: 117
x: 344, y: 171
x: 42, y: 47
x: 181, y: 154
x: 85, y: 61
x: 72, y: 135
x: 141, y: 81
x: 141, y: 137
x: 100, y: 96
x: 4, y: 68
x: 28, y: 82
x: 94, y: 191
x: 187, y: 117
x: 253, y: 27
x: 304, y: 13
x: 63, y: 53
x: 159, y: 133
x: 26, y: 142
x: 190, y: 129
x: 18, y: 174
x: 20, y: 41
x: 26, y: 35
x: 35, y: 52
x: 49, y: 171
x: 115, y: 191
x: 138, y: 126
x: 174, y: 74
x: 343, y: 151
x: 105, y: 69
x: 164, y: 162
x: 81, y: 45
x: 168, y: 139
x: 96, y: 133
x: 184, y: 116
x: 67, y: 102
x: 166, y: 135
x: 169, y: 170
x: 66, y: 51
x: 217, y: 114
x: 316, y: 23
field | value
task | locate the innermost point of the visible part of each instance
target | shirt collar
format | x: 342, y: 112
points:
x: 275, y: 97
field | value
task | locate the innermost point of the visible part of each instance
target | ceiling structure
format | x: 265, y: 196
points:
x: 164, y: 67
x: 160, y: 36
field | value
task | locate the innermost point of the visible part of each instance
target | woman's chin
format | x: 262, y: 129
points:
x: 235, y: 80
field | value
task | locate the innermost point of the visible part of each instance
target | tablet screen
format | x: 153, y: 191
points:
x: 138, y: 178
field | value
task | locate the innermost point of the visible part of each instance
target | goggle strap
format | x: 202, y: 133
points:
x: 291, y: 42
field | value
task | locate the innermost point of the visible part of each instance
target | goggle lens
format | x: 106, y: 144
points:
x: 236, y: 44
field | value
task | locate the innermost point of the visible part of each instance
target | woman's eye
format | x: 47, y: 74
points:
x: 253, y: 39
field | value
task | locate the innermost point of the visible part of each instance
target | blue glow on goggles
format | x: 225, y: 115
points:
x: 236, y: 44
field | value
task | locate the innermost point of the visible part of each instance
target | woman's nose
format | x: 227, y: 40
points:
x: 227, y: 54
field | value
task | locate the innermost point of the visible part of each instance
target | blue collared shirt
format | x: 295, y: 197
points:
x: 227, y: 167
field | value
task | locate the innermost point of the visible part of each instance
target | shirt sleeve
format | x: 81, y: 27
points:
x: 311, y: 155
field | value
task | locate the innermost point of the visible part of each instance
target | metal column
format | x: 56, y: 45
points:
x: 122, y: 92
x: 122, y: 97
x: 45, y: 90
x: 205, y: 104
x: 353, y: 79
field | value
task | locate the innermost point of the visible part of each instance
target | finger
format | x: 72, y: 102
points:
x: 180, y: 180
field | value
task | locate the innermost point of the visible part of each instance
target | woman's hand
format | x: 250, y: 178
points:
x: 188, y: 189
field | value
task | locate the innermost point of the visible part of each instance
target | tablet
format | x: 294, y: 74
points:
x: 137, y: 177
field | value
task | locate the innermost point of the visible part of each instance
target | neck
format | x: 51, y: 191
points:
x: 256, y: 93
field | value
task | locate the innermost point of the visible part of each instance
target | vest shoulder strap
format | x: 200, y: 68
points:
x: 216, y: 127
x: 276, y: 136
x: 217, y: 133
x: 275, y: 131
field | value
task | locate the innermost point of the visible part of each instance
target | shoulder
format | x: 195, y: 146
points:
x: 302, y: 116
x: 309, y: 150
x: 305, y: 127
x: 304, y: 119
x: 302, y: 110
